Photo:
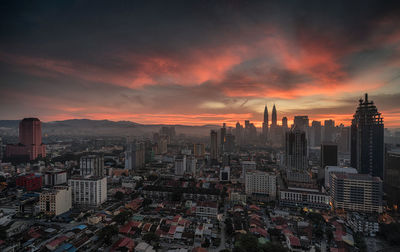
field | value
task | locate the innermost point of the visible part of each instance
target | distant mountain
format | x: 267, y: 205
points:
x: 76, y: 127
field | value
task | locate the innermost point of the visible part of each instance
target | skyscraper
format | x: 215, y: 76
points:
x: 135, y: 155
x: 223, y: 138
x: 214, y: 145
x: 329, y: 131
x: 265, y: 124
x: 30, y: 140
x: 274, y: 116
x: 315, y: 135
x: 296, y: 150
x: 301, y: 123
x: 329, y: 154
x: 284, y: 122
x: 367, y: 146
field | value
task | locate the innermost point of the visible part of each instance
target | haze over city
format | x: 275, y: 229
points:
x: 198, y: 62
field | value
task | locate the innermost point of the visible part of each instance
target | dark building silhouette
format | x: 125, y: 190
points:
x: 329, y: 154
x: 214, y: 146
x: 367, y: 146
x: 265, y: 125
x: 296, y: 150
x: 392, y: 177
x: 315, y: 134
x: 274, y: 117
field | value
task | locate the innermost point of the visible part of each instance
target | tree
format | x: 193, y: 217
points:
x: 246, y: 243
x: 151, y: 237
x: 206, y: 243
x: 119, y: 195
x: 106, y: 234
x: 122, y: 217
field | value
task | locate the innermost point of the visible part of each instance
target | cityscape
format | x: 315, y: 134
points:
x: 222, y: 126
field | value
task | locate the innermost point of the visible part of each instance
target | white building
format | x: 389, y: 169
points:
x: 92, y: 165
x: 55, y: 201
x: 303, y: 198
x: 55, y: 177
x: 180, y: 165
x: 207, y: 209
x: 88, y: 191
x: 261, y: 183
x: 329, y: 169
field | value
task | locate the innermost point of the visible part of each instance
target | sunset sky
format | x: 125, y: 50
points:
x: 198, y: 62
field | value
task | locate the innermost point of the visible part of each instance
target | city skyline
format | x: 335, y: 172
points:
x: 199, y: 63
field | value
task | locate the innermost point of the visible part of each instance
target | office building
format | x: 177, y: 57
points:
x: 55, y: 201
x: 367, y: 146
x: 222, y: 139
x: 315, y: 134
x: 300, y: 198
x: 284, y: 123
x: 329, y: 131
x: 180, y: 165
x: 329, y: 155
x: 88, y: 192
x: 344, y: 140
x: 356, y: 192
x: 248, y: 166
x: 30, y: 182
x: 214, y: 146
x: 30, y: 145
x: 296, y: 150
x: 259, y: 182
x: 191, y: 164
x: 392, y: 178
x: 301, y: 123
x: 330, y: 169
x: 135, y: 155
x: 229, y: 146
x: 55, y: 177
x: 92, y: 165
x: 199, y: 150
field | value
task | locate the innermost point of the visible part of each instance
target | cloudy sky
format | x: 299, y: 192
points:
x: 198, y: 62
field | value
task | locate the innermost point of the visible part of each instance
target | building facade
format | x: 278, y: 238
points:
x: 367, y: 139
x: 30, y: 182
x: 92, y: 165
x: 296, y: 150
x: 88, y: 192
x: 356, y: 192
x: 259, y: 182
x: 56, y: 201
x: 135, y: 156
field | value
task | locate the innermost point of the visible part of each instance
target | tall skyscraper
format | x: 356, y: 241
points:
x: 135, y: 155
x: 30, y: 140
x: 301, y: 123
x: 392, y: 177
x: 329, y: 155
x: 214, y: 146
x: 265, y: 124
x: 274, y: 116
x: 329, y: 131
x: 344, y: 140
x: 222, y: 138
x: 284, y: 122
x: 315, y: 135
x: 296, y: 150
x: 367, y: 146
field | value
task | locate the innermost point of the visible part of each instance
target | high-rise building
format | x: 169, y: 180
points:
x: 222, y: 139
x: 329, y: 131
x: 1, y: 149
x: 199, y: 150
x: 55, y: 177
x: 265, y: 125
x: 214, y: 145
x: 367, y: 146
x: 55, y: 201
x: 180, y: 165
x: 92, y: 165
x: 296, y: 150
x: 284, y: 122
x: 315, y: 134
x: 135, y: 155
x: 274, y: 117
x: 229, y: 143
x: 168, y: 131
x: 301, y: 123
x: 191, y: 164
x: 344, y: 140
x: 30, y: 141
x: 392, y: 177
x: 259, y: 182
x: 356, y: 192
x: 239, y: 133
x: 329, y: 155
x: 88, y: 192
